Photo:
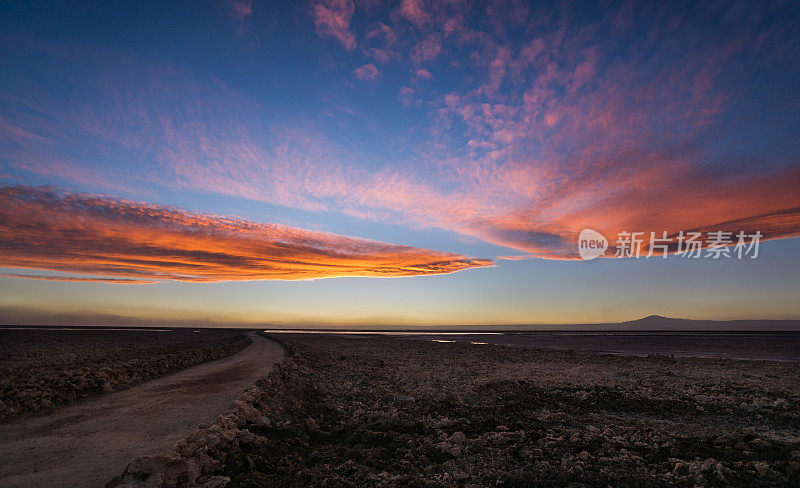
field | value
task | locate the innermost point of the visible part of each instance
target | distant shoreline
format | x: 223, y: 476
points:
x: 749, y: 345
x: 652, y: 325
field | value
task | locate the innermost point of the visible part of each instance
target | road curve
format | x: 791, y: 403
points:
x: 89, y: 443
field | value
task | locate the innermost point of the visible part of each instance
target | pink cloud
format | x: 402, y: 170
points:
x: 415, y: 12
x: 332, y: 19
x: 427, y: 49
x: 383, y: 55
x: 381, y: 31
x: 407, y: 96
x: 238, y: 9
x: 423, y: 74
x: 368, y: 72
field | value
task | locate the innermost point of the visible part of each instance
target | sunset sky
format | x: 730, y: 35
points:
x: 331, y: 162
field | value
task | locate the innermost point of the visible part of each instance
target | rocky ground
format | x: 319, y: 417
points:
x: 385, y: 412
x: 42, y: 369
x: 768, y: 346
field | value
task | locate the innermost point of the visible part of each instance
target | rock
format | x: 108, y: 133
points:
x: 460, y: 475
x: 145, y: 465
x: 217, y: 482
x: 247, y: 411
x: 458, y: 439
x: 405, y: 401
x: 245, y: 435
x: 170, y: 469
x: 264, y: 422
x: 702, y: 399
x: 584, y: 455
x: 708, y: 464
x: 681, y: 468
x: 447, y: 448
x: 719, y: 470
x: 760, y: 444
x: 444, y: 422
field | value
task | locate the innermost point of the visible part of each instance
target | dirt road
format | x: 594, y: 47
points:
x: 87, y: 444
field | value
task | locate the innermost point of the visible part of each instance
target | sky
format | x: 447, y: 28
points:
x: 409, y: 163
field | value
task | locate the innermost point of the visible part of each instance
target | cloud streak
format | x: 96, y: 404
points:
x: 45, y: 229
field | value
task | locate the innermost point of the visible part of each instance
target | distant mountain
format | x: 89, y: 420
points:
x: 658, y: 322
x: 654, y: 318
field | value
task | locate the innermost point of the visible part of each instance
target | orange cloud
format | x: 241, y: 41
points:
x: 77, y: 278
x: 136, y: 242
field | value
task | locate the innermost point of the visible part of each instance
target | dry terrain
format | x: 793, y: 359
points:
x: 86, y: 444
x: 387, y: 412
x: 41, y: 369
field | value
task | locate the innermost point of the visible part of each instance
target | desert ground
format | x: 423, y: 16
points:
x: 94, y: 439
x: 422, y: 411
x: 769, y: 346
x: 358, y: 411
x: 42, y: 368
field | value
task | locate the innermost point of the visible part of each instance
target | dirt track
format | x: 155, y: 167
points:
x: 89, y: 443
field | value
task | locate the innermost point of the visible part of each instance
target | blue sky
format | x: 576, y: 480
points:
x: 169, y: 137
